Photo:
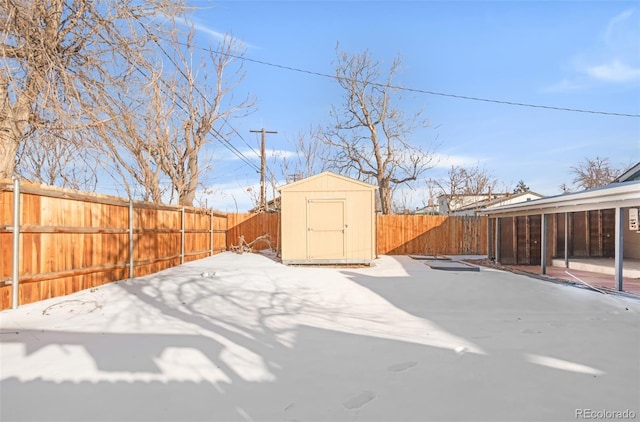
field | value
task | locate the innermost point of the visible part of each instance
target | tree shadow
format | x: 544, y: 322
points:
x: 232, y: 338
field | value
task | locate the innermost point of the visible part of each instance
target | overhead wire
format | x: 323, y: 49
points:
x: 428, y: 92
x: 227, y: 144
x: 223, y: 140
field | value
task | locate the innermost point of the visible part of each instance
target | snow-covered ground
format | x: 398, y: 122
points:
x: 242, y: 337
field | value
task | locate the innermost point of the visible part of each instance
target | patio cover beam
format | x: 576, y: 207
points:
x: 619, y: 248
x: 543, y: 244
x: 566, y: 240
x: 624, y: 195
x: 617, y: 196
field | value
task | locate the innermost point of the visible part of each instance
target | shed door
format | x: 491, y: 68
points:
x: 326, y: 236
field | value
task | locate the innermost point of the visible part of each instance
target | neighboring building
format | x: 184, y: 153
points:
x: 272, y: 206
x: 448, y: 204
x: 430, y: 209
x: 473, y: 204
x: 504, y: 199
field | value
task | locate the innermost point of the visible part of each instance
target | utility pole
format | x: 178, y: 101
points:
x: 263, y: 165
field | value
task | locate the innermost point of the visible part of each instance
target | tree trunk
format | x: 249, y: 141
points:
x: 13, y: 123
x: 384, y: 191
x: 190, y: 184
x: 8, y: 151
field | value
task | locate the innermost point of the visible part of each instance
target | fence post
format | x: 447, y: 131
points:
x: 182, y: 238
x: 131, y: 239
x: 210, y: 232
x: 15, y: 267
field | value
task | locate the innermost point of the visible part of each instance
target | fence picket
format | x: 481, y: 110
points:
x: 72, y: 241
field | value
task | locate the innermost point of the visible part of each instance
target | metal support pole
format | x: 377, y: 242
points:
x: 182, y: 239
x: 131, y: 240
x: 498, y: 245
x: 566, y: 240
x: 543, y: 244
x: 490, y: 253
x: 619, y: 252
x: 15, y: 267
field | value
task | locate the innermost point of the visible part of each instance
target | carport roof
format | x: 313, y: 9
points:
x: 633, y: 173
x: 625, y: 194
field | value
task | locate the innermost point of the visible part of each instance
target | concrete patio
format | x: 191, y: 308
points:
x: 242, y: 337
x: 630, y: 267
x: 597, y: 272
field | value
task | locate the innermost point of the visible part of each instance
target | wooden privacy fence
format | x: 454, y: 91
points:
x: 71, y: 241
x: 251, y: 226
x: 431, y: 235
x: 395, y: 234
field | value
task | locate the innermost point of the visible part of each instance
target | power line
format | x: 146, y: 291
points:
x: 230, y: 146
x: 423, y: 91
x: 225, y: 142
x: 241, y: 137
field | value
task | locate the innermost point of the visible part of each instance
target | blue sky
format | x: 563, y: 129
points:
x: 581, y: 55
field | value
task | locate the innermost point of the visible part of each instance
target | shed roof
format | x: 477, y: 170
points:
x: 624, y: 194
x: 327, y: 174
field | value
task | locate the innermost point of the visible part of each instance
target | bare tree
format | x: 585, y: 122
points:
x: 594, y: 172
x: 478, y: 181
x: 402, y: 201
x: 311, y: 155
x: 52, y: 52
x: 138, y: 113
x: 58, y: 158
x: 452, y: 187
x: 370, y: 133
x: 464, y: 186
x: 167, y: 113
x: 205, y: 103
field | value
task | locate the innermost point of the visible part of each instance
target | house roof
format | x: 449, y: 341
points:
x: 630, y: 174
x: 471, y: 195
x: 328, y: 174
x: 623, y: 194
x: 494, y: 201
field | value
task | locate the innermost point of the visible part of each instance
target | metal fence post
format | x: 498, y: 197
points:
x: 210, y: 232
x: 15, y: 267
x: 131, y: 240
x: 182, y: 239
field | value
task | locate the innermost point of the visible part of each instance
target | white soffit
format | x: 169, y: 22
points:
x: 624, y: 195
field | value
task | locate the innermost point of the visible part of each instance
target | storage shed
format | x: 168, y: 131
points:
x: 328, y: 219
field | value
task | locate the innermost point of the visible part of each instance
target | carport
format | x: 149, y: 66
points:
x: 540, y: 230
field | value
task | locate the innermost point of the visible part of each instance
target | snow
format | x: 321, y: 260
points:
x: 242, y: 337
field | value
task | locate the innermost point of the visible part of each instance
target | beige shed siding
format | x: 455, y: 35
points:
x: 316, y: 238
